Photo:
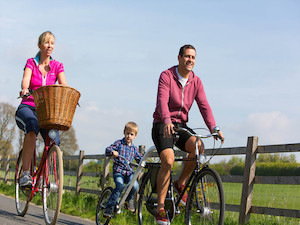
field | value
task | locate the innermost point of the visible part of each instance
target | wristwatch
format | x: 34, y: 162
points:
x: 216, y: 129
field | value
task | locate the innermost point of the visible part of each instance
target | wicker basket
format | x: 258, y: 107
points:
x: 55, y: 106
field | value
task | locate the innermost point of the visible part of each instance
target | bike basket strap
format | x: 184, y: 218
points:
x: 55, y: 106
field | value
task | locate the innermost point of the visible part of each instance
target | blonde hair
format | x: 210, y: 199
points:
x: 131, y: 126
x: 44, y: 37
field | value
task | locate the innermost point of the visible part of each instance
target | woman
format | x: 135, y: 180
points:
x: 39, y: 71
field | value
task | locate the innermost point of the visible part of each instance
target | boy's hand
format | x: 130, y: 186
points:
x: 115, y: 154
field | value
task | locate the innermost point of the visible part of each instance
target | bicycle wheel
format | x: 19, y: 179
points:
x: 103, y: 199
x: 206, y: 203
x: 52, y: 185
x: 147, y: 202
x: 22, y: 195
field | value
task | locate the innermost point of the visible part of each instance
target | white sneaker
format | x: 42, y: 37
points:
x: 26, y: 179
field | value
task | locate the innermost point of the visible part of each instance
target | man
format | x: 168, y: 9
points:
x: 177, y: 89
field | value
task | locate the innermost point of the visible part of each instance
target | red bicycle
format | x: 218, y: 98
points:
x: 47, y: 180
x: 55, y: 107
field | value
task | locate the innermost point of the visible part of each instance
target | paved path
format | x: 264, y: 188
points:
x: 34, y: 215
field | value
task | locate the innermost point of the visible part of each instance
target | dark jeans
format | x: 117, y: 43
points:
x: 120, y: 180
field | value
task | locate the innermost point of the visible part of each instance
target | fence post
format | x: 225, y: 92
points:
x: 79, y: 171
x: 248, y: 180
x: 0, y: 163
x: 142, y: 149
x: 7, y: 169
x: 105, y: 171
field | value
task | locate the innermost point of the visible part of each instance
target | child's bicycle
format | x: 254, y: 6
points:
x: 205, y: 203
x: 104, y: 196
x: 47, y: 177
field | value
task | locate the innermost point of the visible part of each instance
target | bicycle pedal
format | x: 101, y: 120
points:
x: 118, y: 211
x: 26, y: 188
x: 177, y: 211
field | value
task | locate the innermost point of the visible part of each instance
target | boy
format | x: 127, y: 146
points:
x: 121, y: 173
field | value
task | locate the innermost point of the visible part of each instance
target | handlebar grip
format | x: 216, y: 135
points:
x: 109, y: 154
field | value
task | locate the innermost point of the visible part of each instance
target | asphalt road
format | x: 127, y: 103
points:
x: 34, y: 216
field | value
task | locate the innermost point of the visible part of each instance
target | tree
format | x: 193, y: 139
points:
x: 236, y: 161
x: 68, y: 142
x: 20, y: 140
x: 7, y: 128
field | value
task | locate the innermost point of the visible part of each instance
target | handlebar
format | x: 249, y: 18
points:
x: 215, y: 134
x: 201, y: 157
x: 30, y: 93
x: 27, y: 95
x: 128, y: 163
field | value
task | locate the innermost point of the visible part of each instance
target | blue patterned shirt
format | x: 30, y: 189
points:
x: 129, y: 152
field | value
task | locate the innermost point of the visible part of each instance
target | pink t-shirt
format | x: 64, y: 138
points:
x: 37, y: 79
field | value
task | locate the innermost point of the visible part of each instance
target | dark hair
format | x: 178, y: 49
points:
x: 185, y: 47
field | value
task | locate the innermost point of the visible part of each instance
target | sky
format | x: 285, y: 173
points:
x: 248, y: 55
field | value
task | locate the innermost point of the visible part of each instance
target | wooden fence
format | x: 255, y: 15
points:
x: 248, y: 179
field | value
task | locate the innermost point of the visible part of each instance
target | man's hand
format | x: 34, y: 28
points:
x: 221, y: 136
x: 168, y: 130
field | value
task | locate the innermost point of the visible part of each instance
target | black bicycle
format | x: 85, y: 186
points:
x: 205, y: 203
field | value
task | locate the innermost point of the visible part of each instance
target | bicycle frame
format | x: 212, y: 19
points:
x: 37, y: 174
x: 137, y: 172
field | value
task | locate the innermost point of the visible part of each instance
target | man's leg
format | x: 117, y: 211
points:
x: 189, y: 165
x: 163, y: 177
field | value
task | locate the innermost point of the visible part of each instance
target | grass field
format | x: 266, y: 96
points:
x: 84, y: 205
x: 266, y: 195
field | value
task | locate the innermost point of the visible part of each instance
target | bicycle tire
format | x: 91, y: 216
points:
x: 147, y: 201
x: 52, y: 185
x: 206, y: 203
x: 21, y: 195
x: 103, y: 199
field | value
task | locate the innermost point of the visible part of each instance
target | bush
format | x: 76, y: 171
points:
x: 278, y: 169
x: 270, y: 169
x: 222, y: 169
x: 237, y: 170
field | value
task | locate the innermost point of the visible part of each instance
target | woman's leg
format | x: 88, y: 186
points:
x: 28, y: 149
x: 27, y: 121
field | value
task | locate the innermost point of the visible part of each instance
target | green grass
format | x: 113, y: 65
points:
x: 84, y: 205
x: 266, y: 195
x: 86, y: 182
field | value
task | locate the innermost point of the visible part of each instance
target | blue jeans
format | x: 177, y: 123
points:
x: 120, y: 180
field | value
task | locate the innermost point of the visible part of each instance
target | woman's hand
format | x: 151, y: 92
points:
x: 24, y: 93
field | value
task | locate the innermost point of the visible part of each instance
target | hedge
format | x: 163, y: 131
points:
x: 270, y: 169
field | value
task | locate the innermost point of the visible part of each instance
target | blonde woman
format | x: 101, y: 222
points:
x: 39, y: 71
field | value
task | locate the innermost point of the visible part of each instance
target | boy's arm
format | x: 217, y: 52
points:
x: 113, y: 147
